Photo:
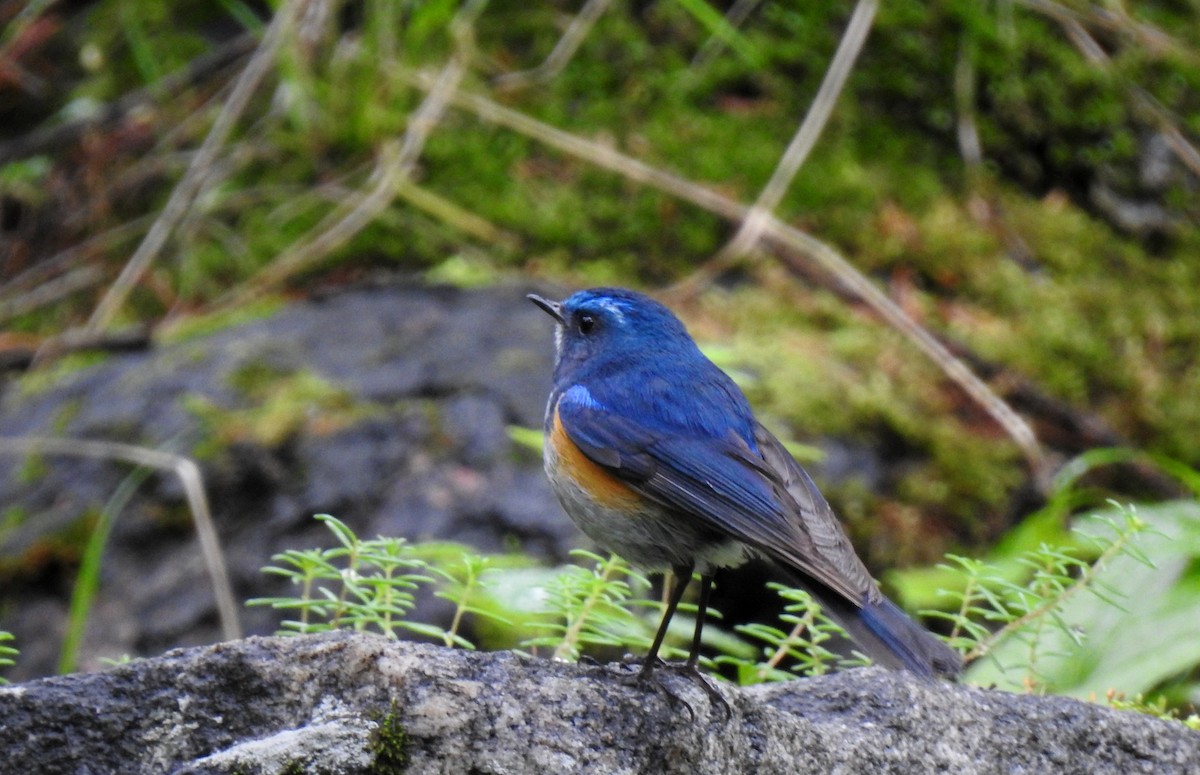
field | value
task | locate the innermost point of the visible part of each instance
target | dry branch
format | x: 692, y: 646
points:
x: 193, y: 181
x: 391, y: 174
x: 1177, y: 141
x: 753, y: 226
x: 51, y: 138
x: 562, y: 52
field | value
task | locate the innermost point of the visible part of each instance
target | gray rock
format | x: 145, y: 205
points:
x: 353, y: 703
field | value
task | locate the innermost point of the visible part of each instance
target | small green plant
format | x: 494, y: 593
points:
x: 1084, y: 628
x: 1033, y: 627
x: 371, y: 584
x: 992, y: 608
x: 799, y: 648
x: 1157, y: 708
x: 465, y: 585
x: 7, y: 653
x: 594, y: 608
x: 359, y: 584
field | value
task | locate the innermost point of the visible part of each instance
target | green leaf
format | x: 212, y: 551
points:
x: 1130, y: 645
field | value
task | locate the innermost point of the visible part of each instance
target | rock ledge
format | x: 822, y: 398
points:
x: 353, y: 703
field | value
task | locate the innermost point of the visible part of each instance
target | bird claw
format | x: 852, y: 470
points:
x: 646, y: 675
x: 693, y: 674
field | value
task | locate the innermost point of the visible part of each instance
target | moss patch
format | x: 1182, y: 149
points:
x: 390, y: 745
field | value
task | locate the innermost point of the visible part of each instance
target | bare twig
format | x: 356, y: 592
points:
x: 391, y: 173
x: 712, y: 48
x: 790, y: 242
x: 1113, y: 19
x: 985, y: 208
x: 810, y: 129
x: 50, y: 291
x: 969, y: 145
x: 562, y: 52
x: 753, y: 226
x: 193, y: 487
x: 1183, y: 148
x: 60, y: 262
x: 192, y: 183
x: 53, y: 137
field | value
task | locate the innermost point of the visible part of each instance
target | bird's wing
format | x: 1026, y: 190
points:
x: 829, y: 540
x: 764, y: 500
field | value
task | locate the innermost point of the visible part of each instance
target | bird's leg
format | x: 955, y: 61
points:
x: 683, y: 575
x: 701, y: 610
x: 714, y: 696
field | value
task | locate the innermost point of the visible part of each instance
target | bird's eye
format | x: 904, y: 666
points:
x: 587, y: 324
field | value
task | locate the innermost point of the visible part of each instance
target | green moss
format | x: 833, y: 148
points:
x: 38, y: 381
x: 32, y: 469
x: 390, y: 745
x: 199, y: 326
x: 279, y: 406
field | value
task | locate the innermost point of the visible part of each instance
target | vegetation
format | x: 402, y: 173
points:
x: 7, y: 653
x: 1018, y: 249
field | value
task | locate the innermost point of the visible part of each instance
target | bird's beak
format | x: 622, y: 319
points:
x: 552, y: 308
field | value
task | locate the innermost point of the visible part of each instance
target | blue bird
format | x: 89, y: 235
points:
x: 655, y: 454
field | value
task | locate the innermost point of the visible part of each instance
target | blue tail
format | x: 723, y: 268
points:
x: 891, y: 638
x: 885, y: 634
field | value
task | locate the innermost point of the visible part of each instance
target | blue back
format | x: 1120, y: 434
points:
x: 639, y: 362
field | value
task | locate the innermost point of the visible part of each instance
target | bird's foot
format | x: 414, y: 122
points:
x: 707, y: 684
x: 652, y: 673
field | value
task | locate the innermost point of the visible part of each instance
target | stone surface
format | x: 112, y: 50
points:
x: 333, y: 703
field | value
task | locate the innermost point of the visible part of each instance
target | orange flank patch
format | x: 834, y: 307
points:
x: 600, y: 485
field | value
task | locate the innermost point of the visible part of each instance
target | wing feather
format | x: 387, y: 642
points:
x: 760, y: 497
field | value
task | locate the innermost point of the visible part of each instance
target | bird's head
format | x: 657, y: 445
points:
x: 605, y: 326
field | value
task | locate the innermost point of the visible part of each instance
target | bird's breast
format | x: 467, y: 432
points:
x: 623, y: 521
x: 565, y: 460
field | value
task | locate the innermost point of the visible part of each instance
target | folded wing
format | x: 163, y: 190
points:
x: 760, y: 497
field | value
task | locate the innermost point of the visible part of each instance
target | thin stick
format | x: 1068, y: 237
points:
x: 810, y: 128
x: 562, y: 52
x: 192, y: 182
x: 753, y: 226
x: 1142, y: 99
x: 1113, y: 19
x: 787, y: 240
x: 44, y: 271
x: 50, y: 291
x: 392, y: 171
x: 967, y: 130
x: 50, y: 138
x: 193, y: 488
